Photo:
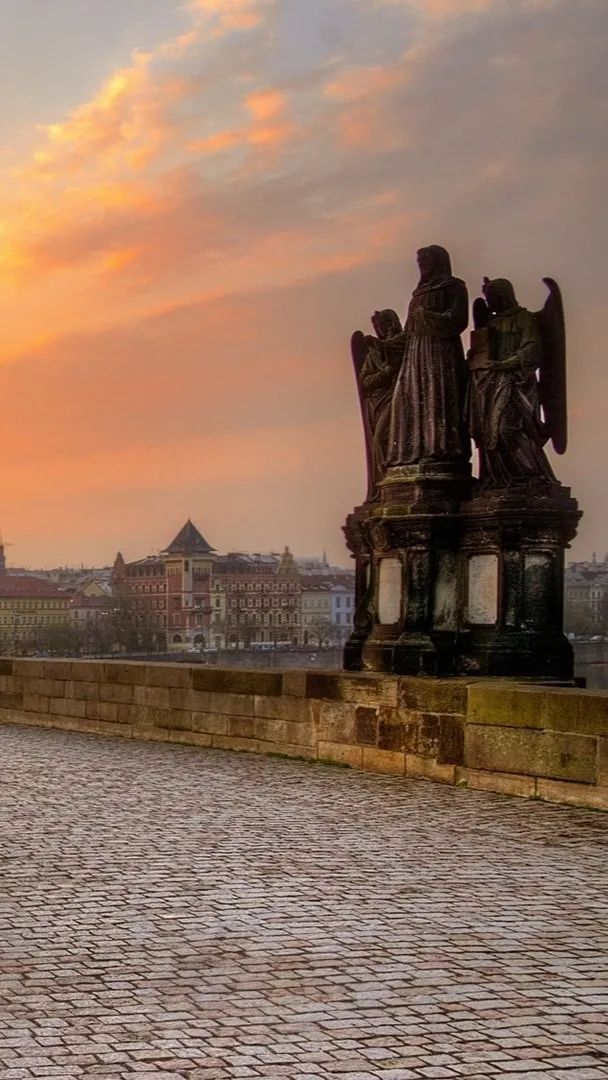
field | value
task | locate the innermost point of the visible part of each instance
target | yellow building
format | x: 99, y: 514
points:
x: 29, y: 609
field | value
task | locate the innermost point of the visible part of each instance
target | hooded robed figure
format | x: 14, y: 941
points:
x: 428, y: 400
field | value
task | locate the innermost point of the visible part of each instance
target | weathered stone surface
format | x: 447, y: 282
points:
x: 359, y: 689
x: 11, y: 683
x: 121, y: 692
x: 156, y: 696
x: 6, y: 666
x: 102, y: 710
x: 294, y: 750
x: 47, y: 687
x: 197, y: 700
x: 503, y: 783
x: 87, y: 670
x: 571, y: 794
x: 427, y: 769
x: 294, y: 684
x: 10, y: 701
x: 232, y: 742
x: 209, y: 722
x: 397, y: 730
x: 151, y: 734
x: 233, y: 704
x: 391, y: 762
x: 189, y: 738
x: 243, y: 727
x: 178, y: 675
x: 68, y: 706
x: 554, y: 755
x: 520, y: 732
x: 37, y: 703
x: 337, y: 722
x: 433, y: 695
x: 175, y: 719
x: 366, y: 725
x: 117, y: 671
x: 510, y: 706
x: 482, y: 605
x: 76, y: 688
x: 236, y: 681
x: 585, y: 711
x: 57, y: 669
x: 602, y: 766
x: 342, y: 753
x: 451, y: 740
x: 132, y: 714
x: 295, y: 709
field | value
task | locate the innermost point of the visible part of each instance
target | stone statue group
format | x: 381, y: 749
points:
x: 423, y: 400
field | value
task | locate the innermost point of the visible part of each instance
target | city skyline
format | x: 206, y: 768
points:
x: 201, y: 197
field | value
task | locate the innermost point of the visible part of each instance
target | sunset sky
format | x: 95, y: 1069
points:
x: 202, y: 200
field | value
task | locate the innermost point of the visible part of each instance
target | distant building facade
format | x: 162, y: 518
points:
x: 586, y: 595
x: 190, y: 598
x: 30, y: 609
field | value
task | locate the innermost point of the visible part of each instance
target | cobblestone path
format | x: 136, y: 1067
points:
x: 168, y: 913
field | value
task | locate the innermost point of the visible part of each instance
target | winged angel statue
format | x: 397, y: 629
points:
x: 377, y: 365
x: 517, y: 388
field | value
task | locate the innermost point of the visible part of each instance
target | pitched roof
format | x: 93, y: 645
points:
x: 189, y: 541
x: 22, y: 585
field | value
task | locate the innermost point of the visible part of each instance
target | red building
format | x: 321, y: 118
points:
x: 164, y: 601
x: 188, y: 563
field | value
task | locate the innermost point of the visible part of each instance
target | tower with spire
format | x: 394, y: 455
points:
x: 188, y: 563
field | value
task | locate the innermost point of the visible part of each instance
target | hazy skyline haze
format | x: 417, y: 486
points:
x: 201, y: 201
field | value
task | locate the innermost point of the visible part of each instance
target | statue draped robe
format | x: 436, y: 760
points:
x: 504, y: 404
x: 427, y: 409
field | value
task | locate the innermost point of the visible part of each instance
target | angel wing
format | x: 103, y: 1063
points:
x: 552, y: 375
x: 359, y: 350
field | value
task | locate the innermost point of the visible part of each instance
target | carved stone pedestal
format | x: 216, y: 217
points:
x: 453, y: 581
x: 406, y: 547
x: 513, y: 545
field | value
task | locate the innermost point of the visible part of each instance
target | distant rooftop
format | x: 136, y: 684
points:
x: 189, y: 541
x: 26, y: 586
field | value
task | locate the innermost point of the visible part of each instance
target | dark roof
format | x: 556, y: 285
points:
x: 22, y: 585
x: 189, y: 541
x: 80, y: 601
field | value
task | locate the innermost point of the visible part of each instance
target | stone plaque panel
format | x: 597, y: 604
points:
x: 445, y: 604
x: 390, y: 587
x: 483, y: 590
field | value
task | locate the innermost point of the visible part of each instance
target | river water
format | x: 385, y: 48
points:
x: 595, y: 674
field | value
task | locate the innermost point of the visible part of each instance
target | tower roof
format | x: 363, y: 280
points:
x: 189, y: 541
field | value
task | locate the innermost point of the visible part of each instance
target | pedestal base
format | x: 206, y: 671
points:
x: 469, y: 585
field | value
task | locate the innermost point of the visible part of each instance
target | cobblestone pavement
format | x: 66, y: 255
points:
x: 168, y: 913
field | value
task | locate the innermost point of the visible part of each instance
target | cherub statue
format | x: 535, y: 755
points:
x: 517, y: 389
x: 376, y: 361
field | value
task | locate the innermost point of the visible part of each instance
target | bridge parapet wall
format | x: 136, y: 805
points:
x: 523, y: 739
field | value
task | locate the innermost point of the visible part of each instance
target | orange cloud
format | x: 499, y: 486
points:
x: 266, y: 104
x: 439, y: 9
x: 224, y: 16
x: 361, y: 82
x: 267, y: 128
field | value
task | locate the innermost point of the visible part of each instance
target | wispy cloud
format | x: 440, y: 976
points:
x: 192, y: 246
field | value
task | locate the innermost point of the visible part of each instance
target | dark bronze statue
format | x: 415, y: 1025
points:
x: 427, y: 411
x: 517, y: 394
x: 376, y: 366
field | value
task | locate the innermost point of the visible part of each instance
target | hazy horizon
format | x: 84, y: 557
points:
x: 203, y: 200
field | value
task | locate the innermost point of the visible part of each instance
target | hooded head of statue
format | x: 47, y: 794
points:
x: 499, y: 294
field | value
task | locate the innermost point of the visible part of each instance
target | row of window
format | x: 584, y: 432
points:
x: 34, y: 605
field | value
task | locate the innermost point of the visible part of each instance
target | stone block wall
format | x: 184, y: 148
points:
x: 529, y: 740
